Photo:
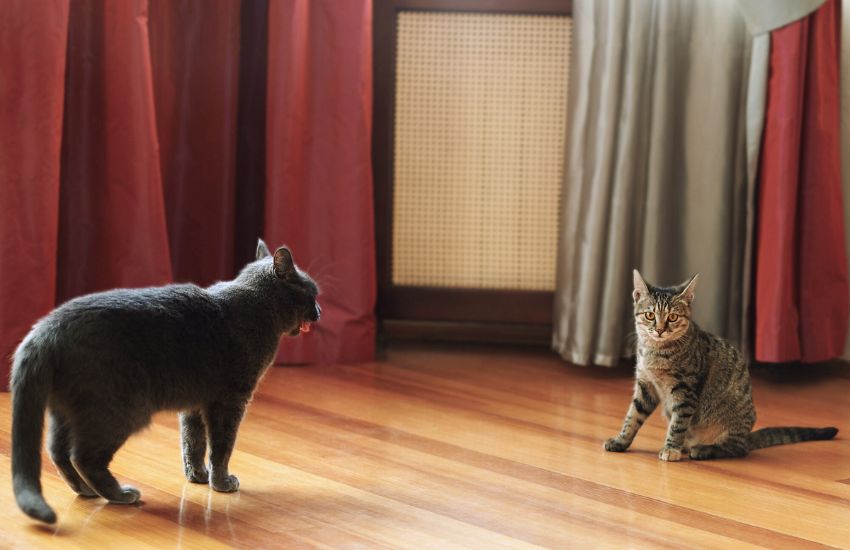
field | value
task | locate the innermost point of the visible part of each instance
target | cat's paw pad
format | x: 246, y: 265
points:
x: 197, y: 475
x: 228, y: 484
x: 129, y: 495
x: 669, y: 454
x: 615, y: 445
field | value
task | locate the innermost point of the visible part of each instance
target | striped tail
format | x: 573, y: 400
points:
x: 768, y: 437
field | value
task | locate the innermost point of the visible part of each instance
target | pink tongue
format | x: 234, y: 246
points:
x: 305, y: 326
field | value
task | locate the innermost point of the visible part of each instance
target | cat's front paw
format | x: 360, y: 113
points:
x: 615, y: 445
x: 228, y: 484
x: 197, y: 475
x: 669, y: 454
x: 129, y: 495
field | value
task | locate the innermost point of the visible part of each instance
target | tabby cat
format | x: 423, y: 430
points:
x: 102, y: 364
x: 701, y: 381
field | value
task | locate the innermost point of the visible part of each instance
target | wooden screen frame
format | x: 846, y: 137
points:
x: 442, y: 313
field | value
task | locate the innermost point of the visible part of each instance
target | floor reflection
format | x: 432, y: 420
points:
x: 211, y: 518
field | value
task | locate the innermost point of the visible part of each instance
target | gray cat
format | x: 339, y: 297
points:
x: 701, y: 380
x: 102, y: 364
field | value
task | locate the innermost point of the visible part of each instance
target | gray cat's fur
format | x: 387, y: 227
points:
x: 701, y: 380
x: 102, y: 364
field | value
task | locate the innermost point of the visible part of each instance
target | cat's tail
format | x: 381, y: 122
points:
x: 768, y: 437
x: 30, y: 383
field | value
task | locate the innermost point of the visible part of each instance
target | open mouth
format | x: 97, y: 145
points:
x: 304, y: 326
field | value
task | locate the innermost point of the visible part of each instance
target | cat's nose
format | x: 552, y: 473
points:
x: 318, y: 311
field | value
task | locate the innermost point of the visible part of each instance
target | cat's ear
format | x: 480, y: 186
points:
x: 284, y: 267
x: 641, y: 290
x: 687, y: 295
x: 262, y: 250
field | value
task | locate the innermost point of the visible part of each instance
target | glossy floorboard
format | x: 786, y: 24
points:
x: 460, y: 447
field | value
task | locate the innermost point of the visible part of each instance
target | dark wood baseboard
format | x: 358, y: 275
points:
x: 466, y: 305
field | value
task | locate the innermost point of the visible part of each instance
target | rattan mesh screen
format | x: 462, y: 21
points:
x: 479, y: 147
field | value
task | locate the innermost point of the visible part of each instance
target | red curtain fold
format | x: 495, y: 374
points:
x: 125, y: 129
x: 319, y: 174
x: 33, y: 37
x: 801, y: 297
x: 112, y: 230
x: 195, y: 52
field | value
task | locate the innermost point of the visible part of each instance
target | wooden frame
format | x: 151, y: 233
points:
x: 472, y: 308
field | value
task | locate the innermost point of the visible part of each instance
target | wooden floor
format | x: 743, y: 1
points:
x: 459, y: 447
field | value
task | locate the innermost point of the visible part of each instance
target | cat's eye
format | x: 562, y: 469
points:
x: 672, y: 317
x: 649, y: 315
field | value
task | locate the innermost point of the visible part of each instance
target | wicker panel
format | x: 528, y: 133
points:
x: 479, y: 147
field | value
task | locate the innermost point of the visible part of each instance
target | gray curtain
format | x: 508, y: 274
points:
x: 660, y: 167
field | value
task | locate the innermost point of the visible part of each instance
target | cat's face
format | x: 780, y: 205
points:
x: 301, y: 289
x: 308, y: 309
x: 662, y: 314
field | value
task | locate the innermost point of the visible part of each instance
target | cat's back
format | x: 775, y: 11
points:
x: 156, y: 302
x: 133, y: 315
x: 727, y: 380
x: 151, y: 346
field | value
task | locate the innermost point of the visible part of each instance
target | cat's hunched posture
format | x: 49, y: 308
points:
x: 102, y: 364
x: 701, y: 381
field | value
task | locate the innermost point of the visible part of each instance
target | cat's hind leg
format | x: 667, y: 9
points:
x: 732, y: 446
x: 91, y: 457
x: 59, y: 447
x: 194, y: 444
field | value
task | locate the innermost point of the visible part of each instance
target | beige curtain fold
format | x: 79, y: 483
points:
x: 762, y: 16
x: 756, y: 98
x: 660, y: 167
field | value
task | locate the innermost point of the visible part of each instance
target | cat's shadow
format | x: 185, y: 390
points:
x: 51, y: 530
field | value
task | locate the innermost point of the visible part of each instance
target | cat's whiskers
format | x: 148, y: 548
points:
x: 320, y: 274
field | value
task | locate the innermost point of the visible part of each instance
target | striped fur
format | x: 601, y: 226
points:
x: 701, y: 381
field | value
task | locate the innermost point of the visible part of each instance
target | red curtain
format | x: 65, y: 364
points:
x: 135, y: 162
x: 112, y: 229
x: 801, y: 297
x: 319, y: 186
x: 195, y: 55
x: 31, y: 104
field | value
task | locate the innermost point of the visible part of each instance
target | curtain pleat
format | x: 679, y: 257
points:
x: 126, y: 127
x: 319, y: 175
x: 112, y: 230
x: 33, y: 38
x: 656, y: 168
x: 844, y: 86
x: 251, y: 131
x: 195, y: 53
x: 801, y: 293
